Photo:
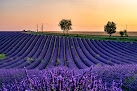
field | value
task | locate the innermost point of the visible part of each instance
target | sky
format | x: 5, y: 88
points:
x: 86, y: 15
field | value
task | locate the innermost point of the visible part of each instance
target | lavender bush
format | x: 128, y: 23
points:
x: 128, y: 74
x: 103, y: 78
x: 62, y: 79
x: 9, y: 75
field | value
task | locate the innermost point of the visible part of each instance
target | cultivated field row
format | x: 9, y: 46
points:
x: 40, y: 52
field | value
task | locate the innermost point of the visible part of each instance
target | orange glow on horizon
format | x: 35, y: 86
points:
x: 86, y: 15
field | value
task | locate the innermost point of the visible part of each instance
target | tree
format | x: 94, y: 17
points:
x: 121, y: 33
x: 24, y: 31
x: 110, y: 28
x: 65, y: 25
x: 125, y: 32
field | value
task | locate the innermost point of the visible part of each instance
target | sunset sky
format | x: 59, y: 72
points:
x: 86, y: 15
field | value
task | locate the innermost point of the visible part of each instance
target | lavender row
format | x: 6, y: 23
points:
x: 39, y: 52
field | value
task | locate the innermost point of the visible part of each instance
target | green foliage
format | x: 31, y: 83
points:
x: 76, y: 35
x: 30, y: 59
x: 128, y: 81
x: 24, y: 30
x: 125, y: 32
x: 65, y: 25
x: 110, y: 28
x: 58, y: 61
x: 42, y: 60
x: 121, y: 33
x: 35, y: 59
x: 98, y: 37
x: 2, y: 56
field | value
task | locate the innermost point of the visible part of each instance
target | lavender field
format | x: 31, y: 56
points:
x: 44, y: 63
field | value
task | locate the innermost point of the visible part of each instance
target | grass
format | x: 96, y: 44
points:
x: 2, y: 56
x: 98, y: 37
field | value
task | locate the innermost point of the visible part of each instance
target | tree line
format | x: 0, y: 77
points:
x: 109, y: 28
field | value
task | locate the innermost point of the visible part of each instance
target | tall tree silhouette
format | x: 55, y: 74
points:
x: 65, y: 25
x: 110, y: 28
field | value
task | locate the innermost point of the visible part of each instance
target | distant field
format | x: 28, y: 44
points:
x: 133, y: 34
x: 92, y: 35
